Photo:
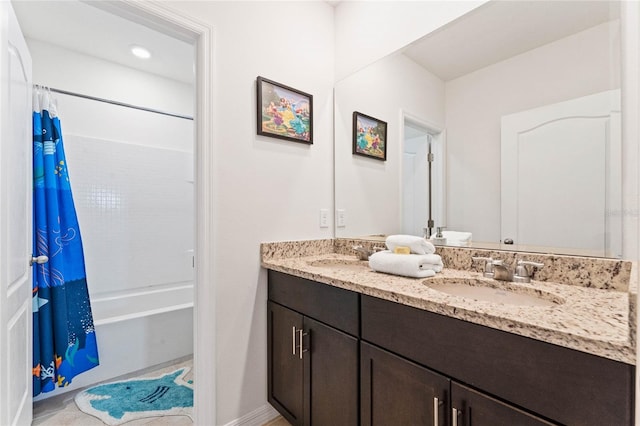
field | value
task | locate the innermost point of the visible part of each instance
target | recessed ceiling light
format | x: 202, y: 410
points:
x: 140, y: 51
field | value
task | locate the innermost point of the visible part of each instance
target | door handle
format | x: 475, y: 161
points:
x: 436, y: 411
x: 301, y: 334
x: 293, y: 339
x: 39, y: 260
x: 455, y: 413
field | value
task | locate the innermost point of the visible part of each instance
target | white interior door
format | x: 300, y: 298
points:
x: 415, y: 185
x: 15, y: 223
x: 561, y: 178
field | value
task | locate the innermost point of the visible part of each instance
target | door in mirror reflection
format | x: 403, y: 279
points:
x: 560, y: 174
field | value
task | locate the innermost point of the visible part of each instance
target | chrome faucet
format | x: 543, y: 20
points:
x: 522, y: 274
x: 488, y: 266
x: 497, y: 270
x: 364, y: 253
x: 501, y: 272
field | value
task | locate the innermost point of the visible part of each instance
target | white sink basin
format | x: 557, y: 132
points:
x: 506, y: 293
x: 341, y: 264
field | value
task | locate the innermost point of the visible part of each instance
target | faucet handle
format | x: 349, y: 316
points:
x: 522, y: 274
x: 488, y: 266
x: 528, y: 262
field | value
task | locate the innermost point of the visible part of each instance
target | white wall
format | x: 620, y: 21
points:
x: 97, y: 77
x: 630, y: 22
x: 369, y: 30
x: 370, y: 190
x: 265, y: 189
x: 569, y: 68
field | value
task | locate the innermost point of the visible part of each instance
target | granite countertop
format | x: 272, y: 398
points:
x: 591, y: 320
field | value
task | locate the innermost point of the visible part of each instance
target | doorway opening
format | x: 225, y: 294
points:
x: 423, y: 176
x: 163, y: 20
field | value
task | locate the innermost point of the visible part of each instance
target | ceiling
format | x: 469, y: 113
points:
x: 491, y: 33
x: 499, y: 30
x: 86, y: 29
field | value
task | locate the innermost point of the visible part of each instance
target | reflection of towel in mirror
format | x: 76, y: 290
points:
x: 456, y: 238
x: 418, y: 245
x: 406, y: 265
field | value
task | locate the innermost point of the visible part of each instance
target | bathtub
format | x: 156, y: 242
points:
x: 137, y: 329
x: 109, y: 308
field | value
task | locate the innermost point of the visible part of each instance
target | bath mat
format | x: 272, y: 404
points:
x: 120, y: 402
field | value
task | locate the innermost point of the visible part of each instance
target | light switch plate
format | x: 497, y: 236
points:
x: 341, y: 218
x: 324, y: 218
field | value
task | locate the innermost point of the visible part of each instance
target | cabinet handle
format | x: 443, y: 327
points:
x: 301, y: 334
x: 436, y: 411
x: 454, y: 416
x: 293, y: 339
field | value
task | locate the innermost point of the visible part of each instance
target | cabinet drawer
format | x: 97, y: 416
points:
x: 477, y: 409
x: 565, y: 385
x: 330, y: 305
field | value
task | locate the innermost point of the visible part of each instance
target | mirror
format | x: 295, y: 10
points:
x: 504, y: 97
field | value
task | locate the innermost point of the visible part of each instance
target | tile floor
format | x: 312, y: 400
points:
x: 62, y: 410
x: 278, y: 421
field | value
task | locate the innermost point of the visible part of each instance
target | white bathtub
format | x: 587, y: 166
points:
x: 137, y: 329
x: 109, y: 308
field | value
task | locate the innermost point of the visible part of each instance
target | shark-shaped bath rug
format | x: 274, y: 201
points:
x: 120, y: 402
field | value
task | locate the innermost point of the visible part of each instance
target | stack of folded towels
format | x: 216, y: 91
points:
x: 420, y: 262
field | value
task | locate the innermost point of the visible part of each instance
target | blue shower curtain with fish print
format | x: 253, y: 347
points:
x: 64, y: 340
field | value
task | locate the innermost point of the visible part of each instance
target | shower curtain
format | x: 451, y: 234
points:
x: 64, y: 341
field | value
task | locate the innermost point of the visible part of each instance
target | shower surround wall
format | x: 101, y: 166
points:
x: 132, y: 176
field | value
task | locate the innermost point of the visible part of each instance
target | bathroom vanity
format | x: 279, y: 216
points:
x: 349, y: 346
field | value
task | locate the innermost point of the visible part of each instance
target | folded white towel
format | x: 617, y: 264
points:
x: 456, y: 237
x: 418, y: 245
x: 406, y: 265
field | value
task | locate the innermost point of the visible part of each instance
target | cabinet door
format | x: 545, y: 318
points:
x: 395, y: 391
x: 332, y: 376
x: 473, y: 408
x: 285, y: 367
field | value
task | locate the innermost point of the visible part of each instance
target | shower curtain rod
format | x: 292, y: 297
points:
x: 108, y: 101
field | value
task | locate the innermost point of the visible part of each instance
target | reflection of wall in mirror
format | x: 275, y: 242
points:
x: 575, y: 66
x: 370, y: 190
x: 470, y: 107
x: 388, y: 26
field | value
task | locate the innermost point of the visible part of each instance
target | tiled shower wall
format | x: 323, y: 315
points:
x: 135, y: 204
x: 132, y: 180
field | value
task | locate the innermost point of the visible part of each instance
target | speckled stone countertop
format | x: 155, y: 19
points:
x: 597, y: 319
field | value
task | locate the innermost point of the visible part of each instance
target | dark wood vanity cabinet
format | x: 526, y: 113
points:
x: 397, y: 391
x: 286, y: 370
x: 562, y: 385
x: 474, y: 408
x: 374, y: 362
x: 313, y: 351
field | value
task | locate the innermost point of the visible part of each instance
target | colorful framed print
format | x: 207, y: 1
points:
x: 284, y: 112
x: 369, y: 136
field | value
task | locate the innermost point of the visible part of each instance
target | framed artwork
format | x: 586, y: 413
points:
x: 284, y: 112
x: 369, y: 136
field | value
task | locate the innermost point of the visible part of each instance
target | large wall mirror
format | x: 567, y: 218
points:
x: 518, y: 106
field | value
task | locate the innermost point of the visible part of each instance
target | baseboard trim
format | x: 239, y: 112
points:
x: 257, y: 417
